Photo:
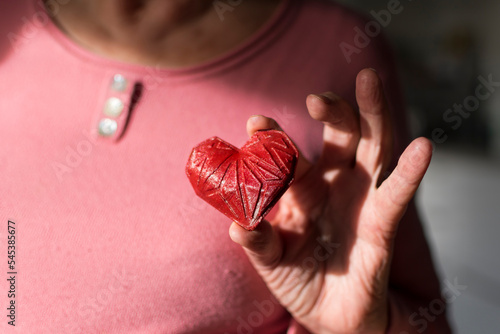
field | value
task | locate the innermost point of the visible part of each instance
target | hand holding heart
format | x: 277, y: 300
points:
x: 326, y: 255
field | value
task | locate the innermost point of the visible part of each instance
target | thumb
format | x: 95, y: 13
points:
x: 263, y: 245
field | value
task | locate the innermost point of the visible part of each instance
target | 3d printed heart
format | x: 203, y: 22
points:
x: 244, y: 184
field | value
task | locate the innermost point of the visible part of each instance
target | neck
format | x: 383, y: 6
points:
x: 165, y: 33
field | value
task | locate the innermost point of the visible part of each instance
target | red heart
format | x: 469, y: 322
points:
x: 244, y: 184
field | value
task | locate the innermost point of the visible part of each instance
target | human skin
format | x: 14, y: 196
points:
x: 160, y: 33
x: 343, y: 201
x: 339, y: 199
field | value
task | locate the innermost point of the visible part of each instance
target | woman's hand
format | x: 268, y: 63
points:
x: 327, y: 254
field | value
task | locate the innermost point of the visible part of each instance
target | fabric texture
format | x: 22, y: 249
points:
x: 110, y: 235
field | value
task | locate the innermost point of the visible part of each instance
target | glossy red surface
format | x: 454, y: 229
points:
x: 244, y: 184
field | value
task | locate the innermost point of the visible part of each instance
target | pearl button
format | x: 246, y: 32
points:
x: 119, y: 83
x: 107, y: 127
x: 113, y: 107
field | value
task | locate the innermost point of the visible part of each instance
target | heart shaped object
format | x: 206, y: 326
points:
x: 244, y: 184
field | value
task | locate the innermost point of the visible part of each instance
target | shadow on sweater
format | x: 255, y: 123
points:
x: 17, y: 28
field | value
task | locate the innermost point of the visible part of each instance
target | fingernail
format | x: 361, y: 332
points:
x: 324, y: 98
x: 254, y: 118
x: 374, y: 70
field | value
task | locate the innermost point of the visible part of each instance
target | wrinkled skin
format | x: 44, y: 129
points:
x: 326, y: 256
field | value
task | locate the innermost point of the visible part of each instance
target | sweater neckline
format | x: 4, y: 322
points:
x: 251, y: 45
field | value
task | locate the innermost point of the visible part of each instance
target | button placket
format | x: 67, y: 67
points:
x: 114, y: 108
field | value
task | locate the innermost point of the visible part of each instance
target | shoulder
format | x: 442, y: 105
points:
x: 15, y: 14
x: 19, y: 20
x: 331, y: 14
x: 343, y: 41
x: 357, y: 37
x: 348, y: 41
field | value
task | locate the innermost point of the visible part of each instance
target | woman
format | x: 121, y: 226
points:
x: 101, y: 105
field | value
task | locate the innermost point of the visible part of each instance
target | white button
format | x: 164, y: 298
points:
x: 113, y: 107
x: 107, y: 127
x: 119, y: 83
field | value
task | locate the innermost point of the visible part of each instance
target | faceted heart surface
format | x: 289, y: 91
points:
x: 244, y: 184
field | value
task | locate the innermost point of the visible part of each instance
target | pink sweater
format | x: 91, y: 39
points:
x: 110, y: 237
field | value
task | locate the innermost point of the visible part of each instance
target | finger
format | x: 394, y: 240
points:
x: 263, y: 245
x: 341, y: 128
x: 375, y: 146
x: 296, y: 328
x: 258, y: 122
x: 394, y: 194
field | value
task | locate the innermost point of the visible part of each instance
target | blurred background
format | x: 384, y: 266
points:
x: 445, y: 50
